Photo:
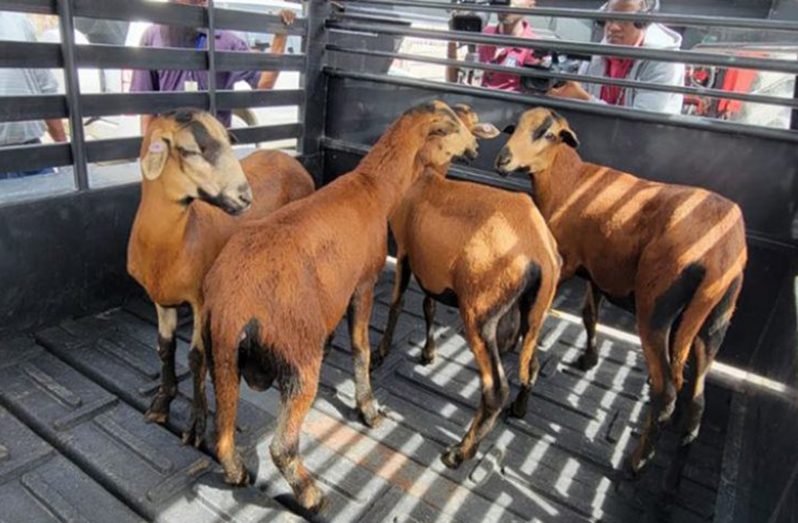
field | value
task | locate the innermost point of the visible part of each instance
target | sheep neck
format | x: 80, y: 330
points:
x: 392, y: 165
x: 162, y: 217
x: 553, y: 186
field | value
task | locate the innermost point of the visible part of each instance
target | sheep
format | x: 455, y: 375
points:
x: 192, y: 191
x: 281, y: 285
x: 673, y: 255
x: 486, y: 251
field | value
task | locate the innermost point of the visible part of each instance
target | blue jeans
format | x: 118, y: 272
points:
x: 23, y: 174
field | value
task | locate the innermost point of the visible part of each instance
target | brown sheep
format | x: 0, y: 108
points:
x: 673, y: 255
x: 281, y: 285
x: 486, y: 251
x: 192, y: 189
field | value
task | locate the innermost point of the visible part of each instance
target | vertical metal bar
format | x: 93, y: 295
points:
x: 794, y: 116
x: 78, y: 141
x: 314, y: 80
x: 211, y: 57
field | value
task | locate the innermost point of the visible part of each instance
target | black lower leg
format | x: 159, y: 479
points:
x: 428, y: 353
x: 195, y: 433
x: 590, y: 309
x: 159, y: 407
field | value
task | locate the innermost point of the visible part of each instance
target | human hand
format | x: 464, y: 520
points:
x: 287, y: 16
x: 569, y: 89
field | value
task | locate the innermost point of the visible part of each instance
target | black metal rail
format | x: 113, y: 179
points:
x: 76, y: 107
x: 689, y: 57
x: 674, y: 19
x: 538, y: 73
x: 557, y: 103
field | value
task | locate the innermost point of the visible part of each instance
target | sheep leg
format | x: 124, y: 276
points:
x: 509, y: 330
x: 167, y: 325
x: 529, y: 365
x: 226, y: 385
x: 428, y: 352
x: 195, y: 433
x: 358, y: 316
x: 284, y: 448
x: 663, y: 395
x: 704, y: 349
x: 590, y: 311
x: 400, y: 283
x: 495, y: 391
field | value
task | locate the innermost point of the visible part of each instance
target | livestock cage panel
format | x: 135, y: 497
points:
x: 756, y: 166
x: 63, y: 251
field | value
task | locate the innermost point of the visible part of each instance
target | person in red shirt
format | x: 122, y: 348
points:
x: 631, y: 34
x: 509, y: 25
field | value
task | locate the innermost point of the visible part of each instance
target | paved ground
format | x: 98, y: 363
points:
x: 74, y: 445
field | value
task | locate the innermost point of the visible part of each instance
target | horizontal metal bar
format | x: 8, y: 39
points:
x: 663, y: 18
x: 243, y: 61
x: 110, y: 150
x: 39, y: 107
x: 43, y: 7
x: 235, y: 99
x: 30, y: 55
x: 458, y: 172
x: 601, y: 109
x: 690, y: 57
x: 32, y: 157
x: 266, y: 133
x: 141, y: 103
x: 139, y: 10
x: 236, y: 20
x: 120, y: 57
x: 537, y: 73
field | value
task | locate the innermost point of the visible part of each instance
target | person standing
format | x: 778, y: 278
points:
x: 26, y: 82
x: 632, y: 34
x: 189, y: 37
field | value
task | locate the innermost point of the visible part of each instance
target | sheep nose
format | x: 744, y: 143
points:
x: 245, y: 195
x: 504, y: 157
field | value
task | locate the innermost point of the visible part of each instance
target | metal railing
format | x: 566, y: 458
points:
x: 343, y: 22
x: 76, y: 106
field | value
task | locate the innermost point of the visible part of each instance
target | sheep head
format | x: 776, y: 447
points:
x: 188, y: 152
x: 534, y: 142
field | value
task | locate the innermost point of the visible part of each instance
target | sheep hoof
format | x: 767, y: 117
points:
x: 377, y: 360
x: 195, y: 434
x: 426, y: 358
x: 238, y: 478
x: 586, y: 361
x: 453, y: 457
x: 518, y: 407
x: 159, y: 409
x: 371, y: 417
x: 313, y: 500
x: 634, y: 465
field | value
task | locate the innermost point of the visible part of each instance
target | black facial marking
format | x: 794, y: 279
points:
x: 673, y: 301
x: 183, y: 115
x: 538, y: 133
x: 210, y: 147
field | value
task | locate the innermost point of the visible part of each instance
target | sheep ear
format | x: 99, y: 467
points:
x: 485, y: 130
x: 510, y: 129
x: 569, y: 137
x: 154, y: 159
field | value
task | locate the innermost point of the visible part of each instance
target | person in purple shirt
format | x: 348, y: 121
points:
x: 189, y: 37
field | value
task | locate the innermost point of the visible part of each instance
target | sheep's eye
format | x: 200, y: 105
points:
x: 187, y: 152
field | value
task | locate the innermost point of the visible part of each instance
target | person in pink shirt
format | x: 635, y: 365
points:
x: 509, y: 25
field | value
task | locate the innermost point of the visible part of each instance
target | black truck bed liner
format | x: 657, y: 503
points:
x: 74, y: 440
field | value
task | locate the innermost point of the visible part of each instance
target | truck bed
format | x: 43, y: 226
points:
x: 74, y: 444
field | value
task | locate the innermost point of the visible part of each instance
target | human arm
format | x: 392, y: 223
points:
x: 268, y: 79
